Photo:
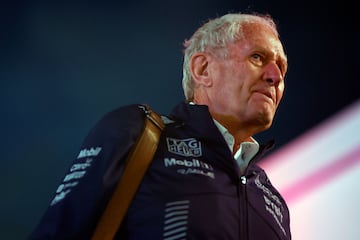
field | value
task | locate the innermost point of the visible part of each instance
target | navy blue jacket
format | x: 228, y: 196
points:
x: 192, y: 189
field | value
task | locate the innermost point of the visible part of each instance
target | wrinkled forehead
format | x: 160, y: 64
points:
x: 264, y: 36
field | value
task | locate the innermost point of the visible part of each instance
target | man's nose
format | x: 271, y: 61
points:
x: 273, y: 74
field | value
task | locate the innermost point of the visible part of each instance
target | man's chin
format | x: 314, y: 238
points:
x: 265, y: 121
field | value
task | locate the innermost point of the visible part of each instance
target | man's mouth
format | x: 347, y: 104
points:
x: 268, y: 94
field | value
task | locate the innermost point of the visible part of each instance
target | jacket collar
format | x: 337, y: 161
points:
x: 198, y: 118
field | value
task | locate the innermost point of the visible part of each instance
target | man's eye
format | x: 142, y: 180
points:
x: 257, y: 58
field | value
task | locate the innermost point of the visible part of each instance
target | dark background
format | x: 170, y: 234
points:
x: 64, y: 64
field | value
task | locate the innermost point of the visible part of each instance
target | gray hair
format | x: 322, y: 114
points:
x: 217, y: 34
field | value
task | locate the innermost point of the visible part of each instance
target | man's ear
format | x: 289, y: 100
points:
x: 199, y: 67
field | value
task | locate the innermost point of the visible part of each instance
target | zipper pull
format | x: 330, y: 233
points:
x: 243, y: 180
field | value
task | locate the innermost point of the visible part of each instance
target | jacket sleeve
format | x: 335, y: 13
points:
x: 86, y: 188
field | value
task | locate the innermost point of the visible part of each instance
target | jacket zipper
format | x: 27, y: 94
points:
x: 243, y: 180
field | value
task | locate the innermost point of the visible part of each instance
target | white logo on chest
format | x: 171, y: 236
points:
x: 184, y: 147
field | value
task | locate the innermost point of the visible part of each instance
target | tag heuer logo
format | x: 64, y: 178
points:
x: 184, y: 147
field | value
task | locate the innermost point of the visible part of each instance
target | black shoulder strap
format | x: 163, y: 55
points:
x: 136, y: 165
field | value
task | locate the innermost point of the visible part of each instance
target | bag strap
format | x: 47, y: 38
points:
x: 137, y: 163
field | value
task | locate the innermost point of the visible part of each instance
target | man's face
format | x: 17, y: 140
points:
x: 248, y: 84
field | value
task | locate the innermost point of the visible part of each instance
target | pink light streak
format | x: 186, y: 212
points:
x: 323, y: 175
x: 318, y: 156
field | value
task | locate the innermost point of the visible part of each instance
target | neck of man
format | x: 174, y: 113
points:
x: 240, y: 131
